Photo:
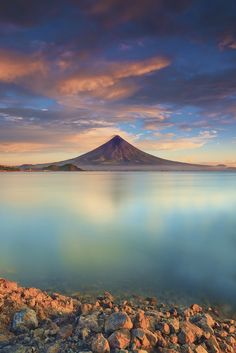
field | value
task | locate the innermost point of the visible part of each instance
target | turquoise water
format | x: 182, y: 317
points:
x: 136, y: 232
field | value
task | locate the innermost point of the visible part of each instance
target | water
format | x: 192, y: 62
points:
x: 137, y: 232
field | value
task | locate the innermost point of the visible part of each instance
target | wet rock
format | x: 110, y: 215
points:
x: 118, y: 321
x: 100, y: 344
x: 119, y: 339
x: 24, y: 320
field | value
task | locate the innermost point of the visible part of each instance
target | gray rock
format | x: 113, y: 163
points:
x: 24, y: 320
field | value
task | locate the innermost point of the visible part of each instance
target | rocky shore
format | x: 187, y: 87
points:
x: 32, y: 320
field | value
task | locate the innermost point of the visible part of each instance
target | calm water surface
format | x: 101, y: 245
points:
x: 136, y: 232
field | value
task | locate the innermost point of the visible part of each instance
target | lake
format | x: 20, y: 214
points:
x: 134, y: 232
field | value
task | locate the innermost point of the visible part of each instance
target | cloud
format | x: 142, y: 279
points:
x: 228, y: 41
x: 14, y: 66
x: 27, y: 12
x: 105, y: 80
x: 172, y: 142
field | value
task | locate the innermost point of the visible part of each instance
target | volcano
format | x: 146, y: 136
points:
x: 118, y: 154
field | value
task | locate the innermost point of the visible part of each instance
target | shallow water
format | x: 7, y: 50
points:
x: 139, y: 232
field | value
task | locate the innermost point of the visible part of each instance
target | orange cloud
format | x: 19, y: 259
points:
x: 111, y: 75
x: 22, y: 147
x: 14, y: 66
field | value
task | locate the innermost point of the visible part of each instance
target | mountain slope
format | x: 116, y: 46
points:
x: 118, y: 154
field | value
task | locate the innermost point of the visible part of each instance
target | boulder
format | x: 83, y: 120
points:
x: 200, y: 349
x: 118, y: 321
x: 189, y: 333
x: 24, y: 320
x: 143, y: 339
x: 119, y: 339
x: 141, y: 321
x: 100, y: 344
x: 89, y: 322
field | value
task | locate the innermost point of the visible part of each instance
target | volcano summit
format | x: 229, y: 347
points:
x: 118, y: 154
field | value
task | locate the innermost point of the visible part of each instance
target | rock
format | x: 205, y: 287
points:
x: 24, y: 320
x: 213, y: 345
x: 173, y: 339
x: 161, y: 341
x: 118, y: 321
x: 119, y: 339
x: 100, y: 344
x: 65, y: 331
x: 143, y: 339
x: 204, y: 321
x: 196, y: 308
x: 174, y: 325
x: 152, y: 300
x: 200, y: 349
x: 17, y: 348
x: 85, y: 308
x: 89, y: 322
x: 189, y: 333
x: 54, y: 348
x: 141, y: 321
x: 164, y: 328
x: 187, y: 349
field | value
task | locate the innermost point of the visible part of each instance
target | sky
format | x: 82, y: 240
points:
x: 160, y: 73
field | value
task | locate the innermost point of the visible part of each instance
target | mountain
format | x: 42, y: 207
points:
x: 118, y: 154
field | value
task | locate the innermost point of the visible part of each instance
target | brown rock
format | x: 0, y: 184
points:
x: 118, y: 321
x: 54, y: 348
x: 174, y: 339
x: 196, y: 308
x: 141, y: 321
x: 100, y: 344
x: 119, y: 339
x: 174, y: 325
x: 161, y: 341
x: 66, y: 331
x: 85, y: 308
x: 189, y: 333
x: 200, y: 349
x: 143, y: 339
x: 213, y: 345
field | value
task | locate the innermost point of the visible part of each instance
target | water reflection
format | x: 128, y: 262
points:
x: 147, y: 232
